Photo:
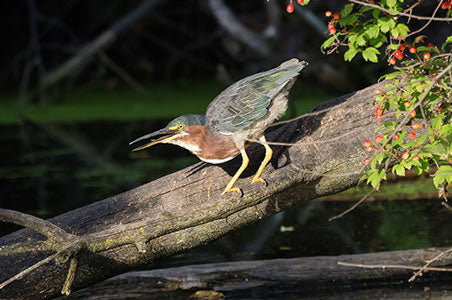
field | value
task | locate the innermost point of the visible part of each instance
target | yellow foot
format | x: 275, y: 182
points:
x: 258, y: 179
x: 236, y: 189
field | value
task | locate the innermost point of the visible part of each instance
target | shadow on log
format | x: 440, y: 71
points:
x: 185, y: 209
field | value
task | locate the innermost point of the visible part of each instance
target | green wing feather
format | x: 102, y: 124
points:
x: 249, y: 99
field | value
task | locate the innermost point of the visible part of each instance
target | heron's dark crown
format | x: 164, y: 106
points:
x: 188, y: 120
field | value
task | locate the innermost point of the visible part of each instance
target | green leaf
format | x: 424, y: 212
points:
x: 438, y: 121
x: 391, y: 3
x: 352, y: 39
x: 371, y: 54
x: 445, y: 131
x: 421, y: 139
x: 417, y: 170
x: 376, y: 13
x: 443, y: 174
x: 376, y: 177
x: 393, y: 46
x: 436, y: 148
x: 448, y: 41
x: 378, y: 158
x: 327, y: 43
x: 372, y: 31
x: 348, y: 20
x: 400, y: 29
x: 392, y: 75
x: 350, y: 53
x: 361, y: 41
x: 399, y: 170
x: 347, y: 10
x: 384, y: 24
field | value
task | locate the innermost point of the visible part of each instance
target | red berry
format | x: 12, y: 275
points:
x: 392, y: 61
x: 446, y: 5
x: 336, y: 16
x: 430, y: 45
x: 328, y: 13
x: 366, y: 161
x: 369, y: 149
x: 289, y: 8
x: 416, y: 157
x: 378, y: 117
x: 405, y: 155
x: 412, y: 135
x: 331, y: 29
x: 426, y: 55
x: 396, y: 136
x: 378, y: 138
x: 413, y: 114
x: 398, y: 54
x: 367, y: 143
x: 377, y: 91
x: 412, y: 49
x: 300, y: 2
x: 379, y: 111
x: 407, y: 104
x: 416, y: 126
x: 402, y: 47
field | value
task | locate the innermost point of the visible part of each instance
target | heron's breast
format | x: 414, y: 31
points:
x: 212, y: 148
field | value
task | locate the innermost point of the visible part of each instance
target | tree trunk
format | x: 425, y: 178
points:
x: 185, y: 209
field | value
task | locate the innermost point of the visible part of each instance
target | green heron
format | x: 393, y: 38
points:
x: 239, y: 115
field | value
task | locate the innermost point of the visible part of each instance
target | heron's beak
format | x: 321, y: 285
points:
x: 165, y: 136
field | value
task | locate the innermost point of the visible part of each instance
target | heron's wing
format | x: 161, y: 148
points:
x: 249, y: 99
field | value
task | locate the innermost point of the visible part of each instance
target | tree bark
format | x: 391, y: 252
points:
x: 305, y: 276
x: 185, y: 209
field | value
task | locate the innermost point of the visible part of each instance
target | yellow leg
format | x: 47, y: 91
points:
x: 245, y: 161
x: 268, y: 156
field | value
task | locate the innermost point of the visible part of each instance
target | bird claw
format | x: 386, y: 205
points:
x: 259, y: 179
x: 236, y: 189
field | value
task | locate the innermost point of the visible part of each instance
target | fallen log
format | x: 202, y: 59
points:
x: 185, y: 209
x: 306, y: 276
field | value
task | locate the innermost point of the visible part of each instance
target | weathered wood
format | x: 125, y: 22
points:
x: 185, y: 209
x: 308, y: 276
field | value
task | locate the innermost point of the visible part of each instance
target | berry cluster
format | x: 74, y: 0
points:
x: 381, y: 146
x: 399, y: 53
x: 446, y: 5
x: 335, y: 16
x: 290, y: 7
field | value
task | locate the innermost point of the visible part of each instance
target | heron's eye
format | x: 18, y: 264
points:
x: 180, y: 126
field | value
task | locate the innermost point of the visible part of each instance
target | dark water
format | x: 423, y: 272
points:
x: 48, y: 169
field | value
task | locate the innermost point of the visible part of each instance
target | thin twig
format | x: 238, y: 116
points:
x: 66, y: 290
x: 351, y: 208
x: 428, y: 22
x: 393, y: 267
x: 446, y: 206
x: 429, y: 262
x: 393, y: 12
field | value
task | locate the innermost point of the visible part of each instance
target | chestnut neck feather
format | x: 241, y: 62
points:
x: 211, y: 146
